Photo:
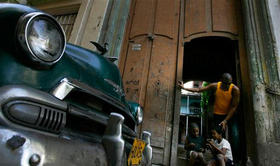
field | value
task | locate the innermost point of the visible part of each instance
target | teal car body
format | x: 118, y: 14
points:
x: 77, y: 63
x: 70, y: 102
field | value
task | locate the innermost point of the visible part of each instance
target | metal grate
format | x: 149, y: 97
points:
x: 67, y: 22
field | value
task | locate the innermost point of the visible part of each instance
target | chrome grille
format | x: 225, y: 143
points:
x: 35, y: 115
x: 51, y: 119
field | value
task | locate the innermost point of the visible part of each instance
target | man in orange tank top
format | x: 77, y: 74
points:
x: 227, y: 97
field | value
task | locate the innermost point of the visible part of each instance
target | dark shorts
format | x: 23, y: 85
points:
x: 217, y: 119
x: 229, y: 163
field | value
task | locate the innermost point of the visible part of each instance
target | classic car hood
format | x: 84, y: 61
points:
x: 77, y: 63
x: 94, y: 70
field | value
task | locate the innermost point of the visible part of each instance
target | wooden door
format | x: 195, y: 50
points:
x: 148, y: 65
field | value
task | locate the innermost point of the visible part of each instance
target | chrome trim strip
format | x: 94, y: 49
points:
x: 12, y: 92
x: 98, y: 118
x: 139, y: 115
x: 65, y: 87
x: 112, y: 140
x: 117, y: 88
x: 77, y: 112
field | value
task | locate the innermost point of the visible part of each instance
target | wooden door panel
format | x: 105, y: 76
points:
x: 195, y: 17
x: 224, y: 16
x: 149, y: 73
x: 160, y: 92
x: 158, y: 155
x: 143, y: 18
x: 136, y: 69
x: 166, y: 13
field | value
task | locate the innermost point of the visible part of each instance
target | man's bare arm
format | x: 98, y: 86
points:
x: 234, y: 104
x: 208, y: 87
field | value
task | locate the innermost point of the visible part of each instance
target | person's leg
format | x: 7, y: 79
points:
x: 235, y: 137
x: 201, y: 158
x: 221, y: 160
x: 193, y: 156
x: 212, y: 163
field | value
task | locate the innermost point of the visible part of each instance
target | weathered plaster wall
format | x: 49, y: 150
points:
x: 262, y: 41
x: 114, y: 26
x: 89, y: 22
x: 274, y: 15
x: 102, y: 21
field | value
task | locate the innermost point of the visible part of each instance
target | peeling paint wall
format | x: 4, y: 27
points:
x: 97, y: 20
x: 89, y: 20
x: 261, y: 21
x: 274, y: 98
x: 274, y: 15
x: 114, y: 26
x: 89, y: 23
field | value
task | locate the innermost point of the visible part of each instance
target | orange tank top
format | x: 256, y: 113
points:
x: 222, y: 100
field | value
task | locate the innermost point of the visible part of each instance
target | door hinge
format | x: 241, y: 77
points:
x: 151, y: 36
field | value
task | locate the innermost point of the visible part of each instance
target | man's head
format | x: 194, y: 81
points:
x: 217, y: 132
x: 194, y: 129
x: 226, y: 79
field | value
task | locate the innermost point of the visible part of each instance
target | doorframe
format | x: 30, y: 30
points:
x: 246, y: 96
x: 178, y: 77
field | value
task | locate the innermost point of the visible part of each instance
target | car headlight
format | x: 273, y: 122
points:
x: 139, y: 115
x: 41, y: 37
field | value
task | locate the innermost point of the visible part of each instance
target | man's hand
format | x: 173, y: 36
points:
x: 223, y: 124
x: 180, y: 84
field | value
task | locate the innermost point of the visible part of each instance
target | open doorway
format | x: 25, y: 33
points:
x: 207, y: 58
x: 190, y: 112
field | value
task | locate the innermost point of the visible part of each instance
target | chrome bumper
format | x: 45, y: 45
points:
x: 148, y: 151
x: 27, y: 148
x: 28, y: 145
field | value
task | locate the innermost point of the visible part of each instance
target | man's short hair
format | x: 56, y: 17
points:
x: 226, y: 76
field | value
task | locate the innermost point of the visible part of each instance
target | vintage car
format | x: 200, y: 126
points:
x: 60, y: 104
